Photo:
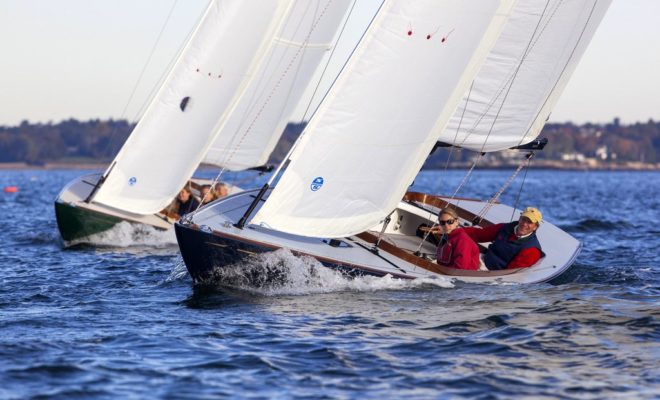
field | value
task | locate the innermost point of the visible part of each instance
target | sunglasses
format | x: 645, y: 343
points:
x: 447, y: 222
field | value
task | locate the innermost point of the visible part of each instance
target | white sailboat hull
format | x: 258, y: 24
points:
x: 210, y: 243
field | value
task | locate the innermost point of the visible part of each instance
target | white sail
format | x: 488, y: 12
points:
x: 223, y: 65
x: 523, y: 76
x: 257, y: 122
x: 382, y: 116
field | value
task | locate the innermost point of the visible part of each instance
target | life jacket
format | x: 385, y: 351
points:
x: 502, y: 250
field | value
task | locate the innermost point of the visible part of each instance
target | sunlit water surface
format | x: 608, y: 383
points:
x: 122, y: 320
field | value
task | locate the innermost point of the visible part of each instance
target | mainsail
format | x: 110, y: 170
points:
x: 381, y: 118
x: 524, y: 74
x: 235, y: 85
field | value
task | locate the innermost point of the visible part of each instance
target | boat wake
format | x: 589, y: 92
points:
x: 178, y: 272
x: 126, y: 234
x: 282, y: 273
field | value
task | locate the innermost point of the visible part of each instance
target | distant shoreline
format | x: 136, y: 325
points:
x: 53, y: 165
x: 536, y: 164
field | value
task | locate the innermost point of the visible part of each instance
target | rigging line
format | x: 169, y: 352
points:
x: 148, y: 61
x: 451, y: 149
x: 252, y: 103
x: 130, y: 97
x: 277, y: 84
x: 298, y: 140
x: 386, y: 222
x: 525, y: 53
x: 522, y: 184
x: 460, y: 122
x: 577, y: 43
x: 506, y: 85
x: 262, y: 84
x: 528, y: 48
x: 465, y: 179
x: 168, y: 68
x: 332, y: 52
x: 497, y: 195
x: 468, y: 174
x: 286, y: 159
x: 188, y: 217
x: 296, y: 74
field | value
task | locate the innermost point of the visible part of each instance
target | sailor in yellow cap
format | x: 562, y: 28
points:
x: 513, y: 245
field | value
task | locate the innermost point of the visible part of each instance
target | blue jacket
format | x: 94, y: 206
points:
x: 502, y: 250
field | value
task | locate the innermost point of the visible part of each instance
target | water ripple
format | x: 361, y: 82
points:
x: 122, y: 320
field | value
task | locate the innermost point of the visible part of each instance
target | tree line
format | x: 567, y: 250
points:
x: 69, y: 140
x: 99, y: 141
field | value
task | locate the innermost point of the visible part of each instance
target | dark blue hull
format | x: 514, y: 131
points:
x: 215, y: 259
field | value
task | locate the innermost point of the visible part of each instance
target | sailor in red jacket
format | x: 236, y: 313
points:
x: 513, y: 245
x: 456, y: 249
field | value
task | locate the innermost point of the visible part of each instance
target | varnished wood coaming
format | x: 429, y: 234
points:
x: 426, y: 264
x: 435, y: 201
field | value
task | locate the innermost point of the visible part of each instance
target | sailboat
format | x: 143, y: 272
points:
x: 479, y: 75
x: 240, y: 51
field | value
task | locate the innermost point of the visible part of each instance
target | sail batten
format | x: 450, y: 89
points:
x: 372, y: 132
x: 222, y: 75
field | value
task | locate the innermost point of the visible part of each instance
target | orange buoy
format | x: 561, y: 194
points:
x: 11, y: 189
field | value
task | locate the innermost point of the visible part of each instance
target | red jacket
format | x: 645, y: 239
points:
x: 525, y: 258
x: 459, y: 251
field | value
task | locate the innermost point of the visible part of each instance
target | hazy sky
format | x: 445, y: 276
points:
x: 82, y: 59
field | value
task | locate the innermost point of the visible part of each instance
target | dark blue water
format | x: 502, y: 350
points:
x: 123, y: 321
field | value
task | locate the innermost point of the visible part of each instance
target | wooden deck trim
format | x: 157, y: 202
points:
x: 437, y: 202
x: 426, y: 264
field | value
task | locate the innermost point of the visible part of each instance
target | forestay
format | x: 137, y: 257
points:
x: 382, y: 116
x: 258, y: 120
x: 524, y: 74
x: 219, y: 83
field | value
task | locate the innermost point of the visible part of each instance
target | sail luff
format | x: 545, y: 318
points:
x: 374, y: 129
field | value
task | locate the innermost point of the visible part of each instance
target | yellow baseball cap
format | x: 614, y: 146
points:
x: 533, y: 214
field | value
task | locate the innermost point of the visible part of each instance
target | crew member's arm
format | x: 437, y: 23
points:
x: 525, y: 258
x: 480, y: 235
